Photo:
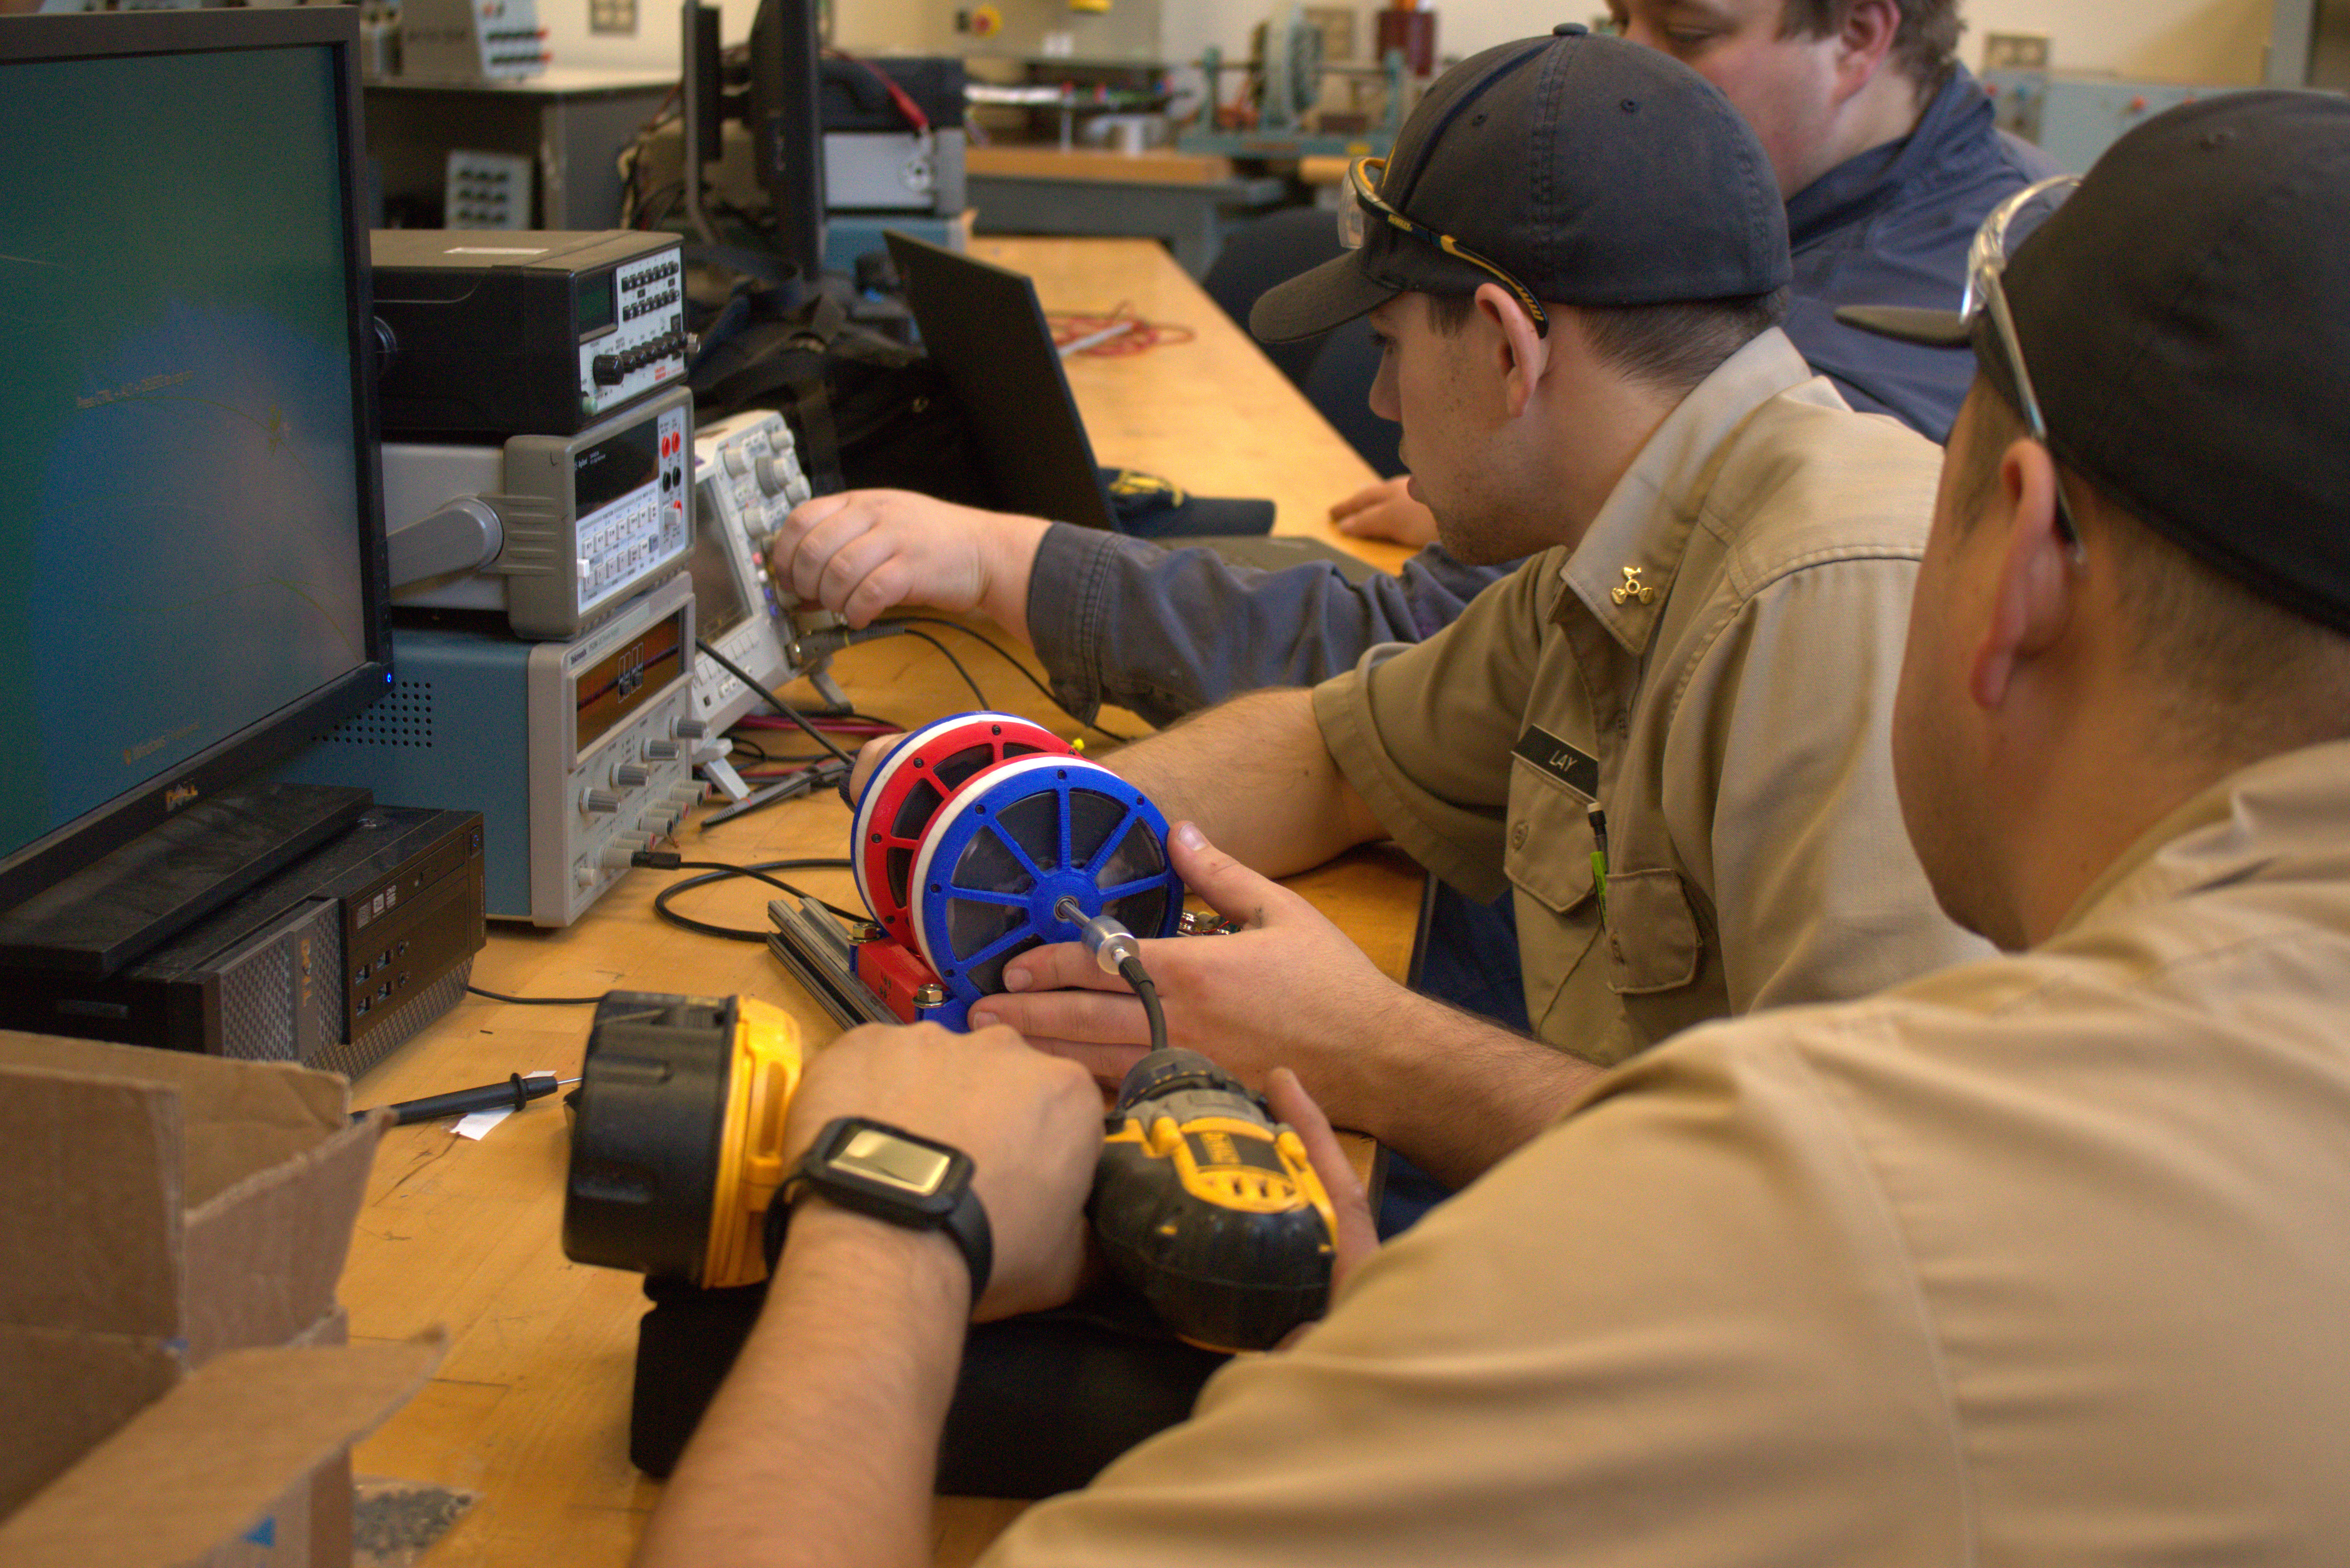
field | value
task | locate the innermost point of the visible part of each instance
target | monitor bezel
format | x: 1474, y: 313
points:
x: 89, y: 838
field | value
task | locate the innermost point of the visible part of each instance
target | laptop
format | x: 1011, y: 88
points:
x: 985, y: 330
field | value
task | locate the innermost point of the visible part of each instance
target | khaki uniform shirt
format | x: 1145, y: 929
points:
x: 2043, y: 1260
x: 1721, y: 650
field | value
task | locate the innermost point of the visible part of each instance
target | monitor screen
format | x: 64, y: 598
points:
x: 191, y: 532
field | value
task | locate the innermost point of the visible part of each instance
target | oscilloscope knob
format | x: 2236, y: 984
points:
x: 736, y: 463
x: 627, y: 775
x: 601, y: 802
x: 662, y: 750
x: 771, y: 481
x: 688, y: 729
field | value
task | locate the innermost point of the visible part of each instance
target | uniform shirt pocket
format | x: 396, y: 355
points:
x: 1653, y: 941
x: 1548, y: 857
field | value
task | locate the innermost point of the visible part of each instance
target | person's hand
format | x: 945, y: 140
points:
x: 868, y: 757
x: 1386, y: 511
x: 862, y: 552
x: 1030, y: 1123
x: 1357, y: 1234
x: 1219, y: 992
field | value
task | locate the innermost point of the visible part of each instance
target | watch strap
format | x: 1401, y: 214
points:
x: 965, y: 1224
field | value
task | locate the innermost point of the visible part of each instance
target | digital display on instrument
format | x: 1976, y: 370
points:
x: 611, y: 469
x: 717, y: 597
x: 631, y: 515
x: 633, y: 675
x: 592, y: 307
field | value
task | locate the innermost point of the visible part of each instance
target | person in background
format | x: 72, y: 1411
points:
x: 2036, y: 1261
x: 1885, y: 152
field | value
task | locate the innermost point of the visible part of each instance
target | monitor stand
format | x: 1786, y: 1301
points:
x: 112, y: 911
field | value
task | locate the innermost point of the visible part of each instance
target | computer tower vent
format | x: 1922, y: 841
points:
x: 281, y: 992
x: 400, y: 717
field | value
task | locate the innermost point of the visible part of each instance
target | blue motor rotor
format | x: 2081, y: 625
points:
x: 1016, y: 840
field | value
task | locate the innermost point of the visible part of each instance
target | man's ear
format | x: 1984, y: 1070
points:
x: 1524, y: 352
x: 1863, y: 42
x: 2035, y: 591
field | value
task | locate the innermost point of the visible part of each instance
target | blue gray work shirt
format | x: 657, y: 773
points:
x: 1162, y: 632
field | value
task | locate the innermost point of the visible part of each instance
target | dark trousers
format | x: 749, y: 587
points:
x: 1468, y: 955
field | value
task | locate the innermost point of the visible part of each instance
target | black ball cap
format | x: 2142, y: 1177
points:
x: 1593, y: 170
x: 2185, y: 317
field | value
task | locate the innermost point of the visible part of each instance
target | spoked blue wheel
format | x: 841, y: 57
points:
x: 1014, y: 841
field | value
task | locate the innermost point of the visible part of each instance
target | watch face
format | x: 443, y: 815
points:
x: 891, y: 1161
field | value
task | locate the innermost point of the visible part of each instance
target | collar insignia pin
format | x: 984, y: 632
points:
x: 1633, y: 589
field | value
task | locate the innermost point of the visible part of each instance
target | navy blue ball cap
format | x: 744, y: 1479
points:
x: 2185, y: 317
x: 1593, y: 170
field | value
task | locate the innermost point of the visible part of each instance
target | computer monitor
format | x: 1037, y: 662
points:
x: 787, y: 127
x: 192, y: 558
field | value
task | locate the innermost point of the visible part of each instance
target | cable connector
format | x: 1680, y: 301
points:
x: 809, y: 645
x: 658, y: 860
x: 1110, y: 943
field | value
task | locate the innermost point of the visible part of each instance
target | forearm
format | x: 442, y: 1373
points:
x: 1255, y: 776
x: 821, y: 1448
x: 1454, y: 1094
x: 1167, y: 632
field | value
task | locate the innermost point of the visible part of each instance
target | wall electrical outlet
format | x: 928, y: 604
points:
x: 612, y: 17
x: 2017, y: 52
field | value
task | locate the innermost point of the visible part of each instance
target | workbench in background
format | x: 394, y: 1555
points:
x: 1189, y: 200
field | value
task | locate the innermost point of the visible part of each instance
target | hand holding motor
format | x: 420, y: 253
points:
x: 862, y: 552
x: 1289, y: 990
x: 1031, y: 1124
x: 1386, y: 511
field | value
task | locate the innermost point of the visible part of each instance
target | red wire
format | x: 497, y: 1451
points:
x: 898, y: 95
x: 1068, y: 326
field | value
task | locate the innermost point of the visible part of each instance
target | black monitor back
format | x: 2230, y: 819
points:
x: 986, y: 332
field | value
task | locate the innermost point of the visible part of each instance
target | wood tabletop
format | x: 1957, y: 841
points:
x: 1153, y: 166
x: 530, y: 1410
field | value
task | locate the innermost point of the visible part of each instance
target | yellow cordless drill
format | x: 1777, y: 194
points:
x: 1202, y: 1202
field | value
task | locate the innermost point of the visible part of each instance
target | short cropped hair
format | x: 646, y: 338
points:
x: 2244, y: 675
x: 1672, y: 347
x: 1925, y: 47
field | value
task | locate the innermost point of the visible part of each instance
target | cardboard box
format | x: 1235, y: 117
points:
x: 171, y: 1363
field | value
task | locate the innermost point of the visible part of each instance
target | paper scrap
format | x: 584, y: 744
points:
x: 477, y: 1126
